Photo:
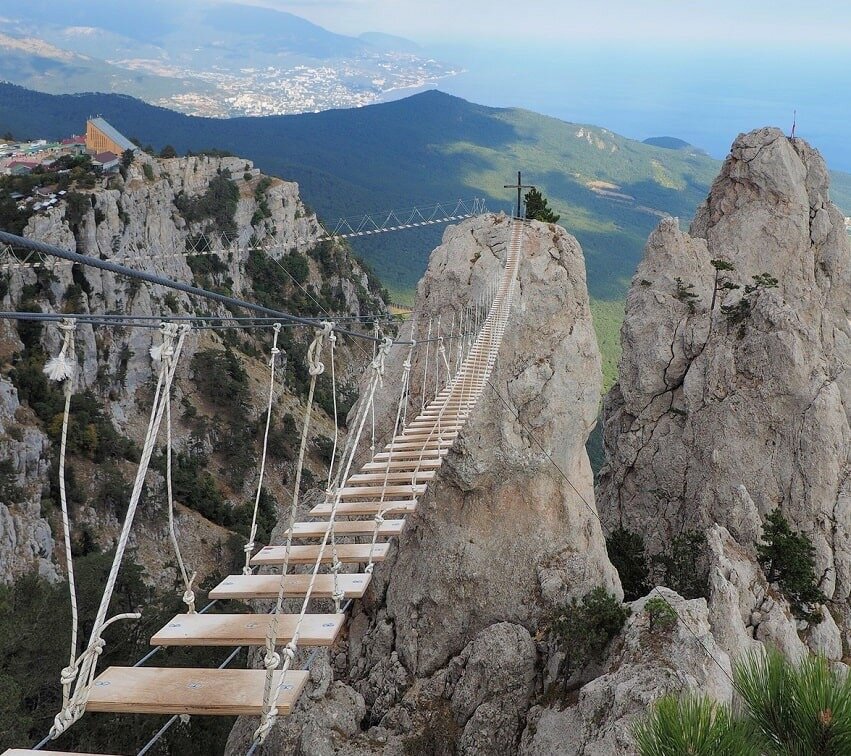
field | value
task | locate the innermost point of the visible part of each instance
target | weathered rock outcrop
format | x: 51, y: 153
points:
x: 441, y: 652
x: 734, y: 401
x: 141, y: 221
x: 643, y: 664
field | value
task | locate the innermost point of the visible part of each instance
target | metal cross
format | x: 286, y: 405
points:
x: 519, y: 186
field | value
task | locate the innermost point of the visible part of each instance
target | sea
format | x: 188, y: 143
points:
x: 705, y: 96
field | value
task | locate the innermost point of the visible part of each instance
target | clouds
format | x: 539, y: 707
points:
x: 581, y: 22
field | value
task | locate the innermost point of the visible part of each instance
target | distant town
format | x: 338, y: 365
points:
x: 299, y: 89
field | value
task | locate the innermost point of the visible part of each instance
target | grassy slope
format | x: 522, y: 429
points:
x: 429, y: 147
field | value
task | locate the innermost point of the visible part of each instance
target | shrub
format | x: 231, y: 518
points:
x: 683, y: 566
x: 785, y: 710
x: 218, y: 204
x: 788, y: 559
x: 629, y: 557
x: 76, y: 207
x: 796, y: 709
x: 148, y: 170
x: 661, y: 614
x: 584, y: 629
x: 10, y: 491
x: 692, y: 725
x: 221, y: 378
x: 685, y: 294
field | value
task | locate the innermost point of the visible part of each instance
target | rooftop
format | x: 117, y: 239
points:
x: 110, y: 131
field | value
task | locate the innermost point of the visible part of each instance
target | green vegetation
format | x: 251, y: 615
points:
x: 681, y: 565
x: 217, y: 205
x: 788, y: 558
x: 221, y: 379
x: 786, y: 710
x: 35, y: 627
x: 628, y: 555
x: 691, y: 725
x: 662, y: 615
x: 585, y: 629
x: 90, y: 432
x: 10, y: 491
x: 67, y: 172
x: 537, y: 207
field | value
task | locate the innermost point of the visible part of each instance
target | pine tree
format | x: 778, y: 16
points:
x: 788, y: 559
x: 538, y: 209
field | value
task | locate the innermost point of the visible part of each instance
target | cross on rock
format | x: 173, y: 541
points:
x: 519, y: 186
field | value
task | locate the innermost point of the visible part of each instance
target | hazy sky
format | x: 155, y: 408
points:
x: 773, y: 23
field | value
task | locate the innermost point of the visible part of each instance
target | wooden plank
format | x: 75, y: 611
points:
x: 386, y: 529
x: 391, y: 476
x: 347, y: 553
x: 423, y: 442
x: 346, y: 508
x: 432, y: 429
x: 415, y: 453
x: 295, y: 586
x: 178, y: 690
x: 404, y: 464
x: 370, y: 492
x: 30, y: 752
x: 247, y: 629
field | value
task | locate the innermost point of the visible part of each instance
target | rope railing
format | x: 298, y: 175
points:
x: 14, y: 256
x: 466, y: 330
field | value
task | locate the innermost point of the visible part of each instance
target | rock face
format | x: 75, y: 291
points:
x: 735, y: 401
x: 643, y: 663
x: 142, y: 221
x: 500, y: 534
x: 441, y: 651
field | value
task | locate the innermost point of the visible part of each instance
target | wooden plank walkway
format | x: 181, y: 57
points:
x: 390, y: 484
x: 180, y: 690
x: 246, y: 629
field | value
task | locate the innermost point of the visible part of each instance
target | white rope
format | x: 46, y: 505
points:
x: 332, y: 343
x: 273, y: 659
x: 425, y: 369
x: 188, y: 580
x: 375, y: 333
x: 62, y: 368
x: 86, y: 663
x: 379, y: 517
x: 252, y: 534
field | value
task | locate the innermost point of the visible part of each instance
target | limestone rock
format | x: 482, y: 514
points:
x: 441, y: 647
x: 500, y: 527
x: 138, y: 222
x: 643, y: 664
x: 734, y: 401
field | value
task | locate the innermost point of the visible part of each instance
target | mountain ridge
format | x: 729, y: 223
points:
x: 610, y: 191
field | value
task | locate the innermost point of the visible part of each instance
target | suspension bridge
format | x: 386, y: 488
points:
x: 366, y: 505
x: 14, y: 256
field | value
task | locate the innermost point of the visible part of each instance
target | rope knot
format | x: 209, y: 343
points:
x: 189, y: 599
x: 68, y: 674
x: 272, y: 660
x: 165, y: 350
x: 337, y: 566
x: 62, y: 366
x: 327, y: 328
x: 289, y: 651
x: 314, y: 365
x: 379, y: 519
